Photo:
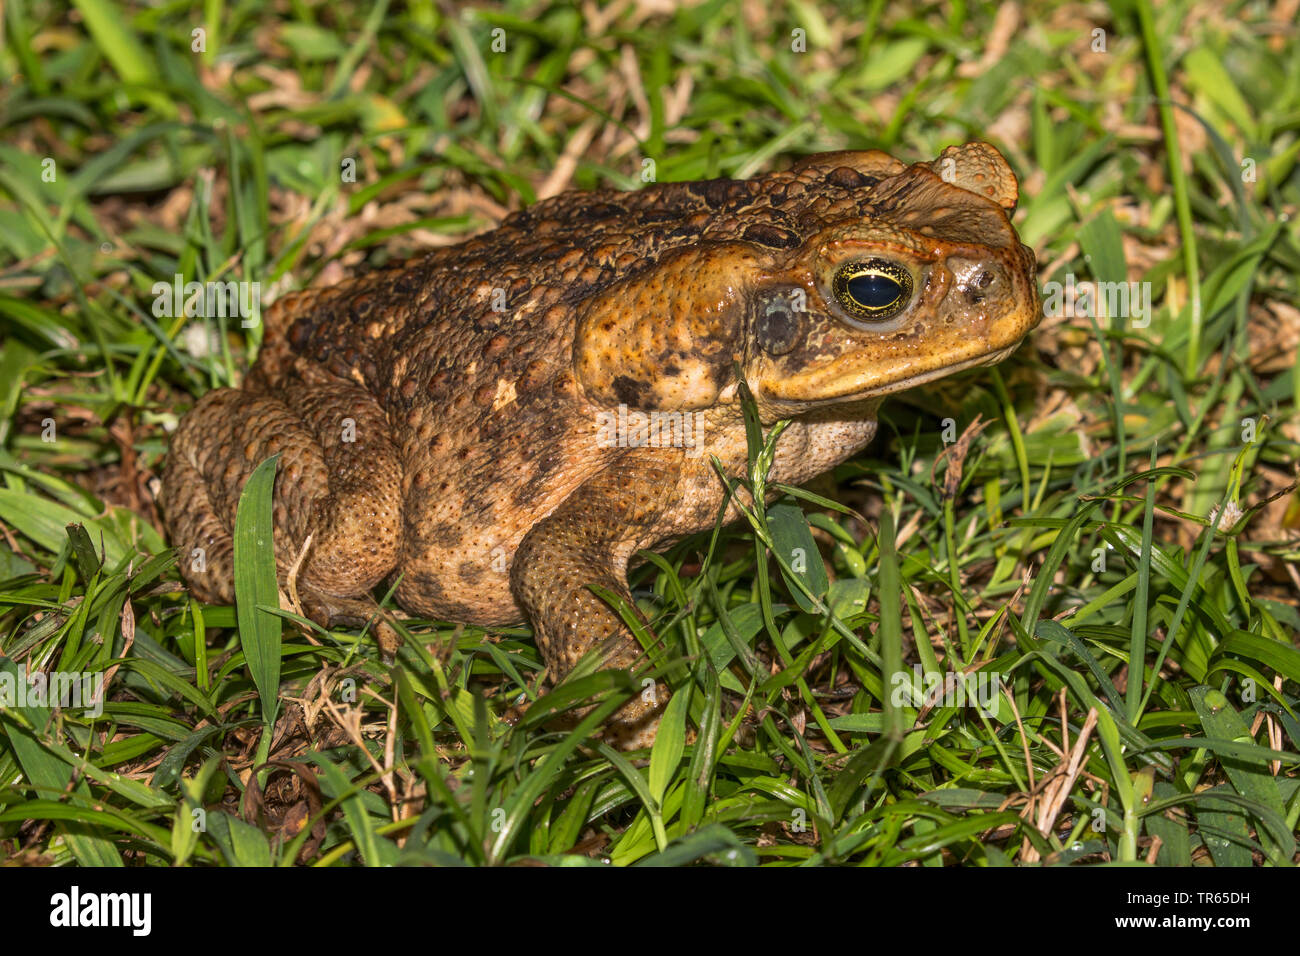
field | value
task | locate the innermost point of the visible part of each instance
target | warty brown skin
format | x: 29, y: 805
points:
x: 442, y: 422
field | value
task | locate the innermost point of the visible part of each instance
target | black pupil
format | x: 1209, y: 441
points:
x: 872, y: 290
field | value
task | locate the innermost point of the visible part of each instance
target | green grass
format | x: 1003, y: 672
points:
x: 1119, y: 545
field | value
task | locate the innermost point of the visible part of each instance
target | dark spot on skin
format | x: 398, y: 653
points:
x: 455, y: 611
x: 427, y: 584
x: 684, y: 232
x: 542, y: 459
x: 519, y: 220
x: 629, y: 391
x: 437, y: 387
x: 652, y: 216
x: 718, y: 192
x: 535, y: 376
x: 446, y: 534
x: 766, y: 234
x: 431, y: 589
x: 470, y: 572
x: 490, y: 431
x: 300, y: 333
x: 671, y: 369
x: 847, y: 177
x: 362, y: 306
x: 527, y: 493
x: 720, y: 370
x: 479, y: 512
x: 408, y: 281
x: 598, y: 211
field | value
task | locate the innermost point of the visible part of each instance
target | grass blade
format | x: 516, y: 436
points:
x: 256, y: 587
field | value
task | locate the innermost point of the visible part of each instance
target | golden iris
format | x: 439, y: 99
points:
x: 875, y: 289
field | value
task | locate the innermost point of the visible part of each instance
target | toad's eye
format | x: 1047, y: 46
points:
x: 875, y: 289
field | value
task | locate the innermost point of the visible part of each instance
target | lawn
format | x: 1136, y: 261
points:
x: 1055, y: 617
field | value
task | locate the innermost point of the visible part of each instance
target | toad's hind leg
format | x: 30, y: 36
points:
x: 338, y: 480
x: 588, y: 540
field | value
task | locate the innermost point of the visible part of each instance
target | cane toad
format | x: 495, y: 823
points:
x: 457, y: 424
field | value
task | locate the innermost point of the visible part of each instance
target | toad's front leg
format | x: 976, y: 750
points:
x: 588, y: 540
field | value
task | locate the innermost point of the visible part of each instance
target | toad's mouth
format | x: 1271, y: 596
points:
x: 902, y: 385
x: 847, y: 388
